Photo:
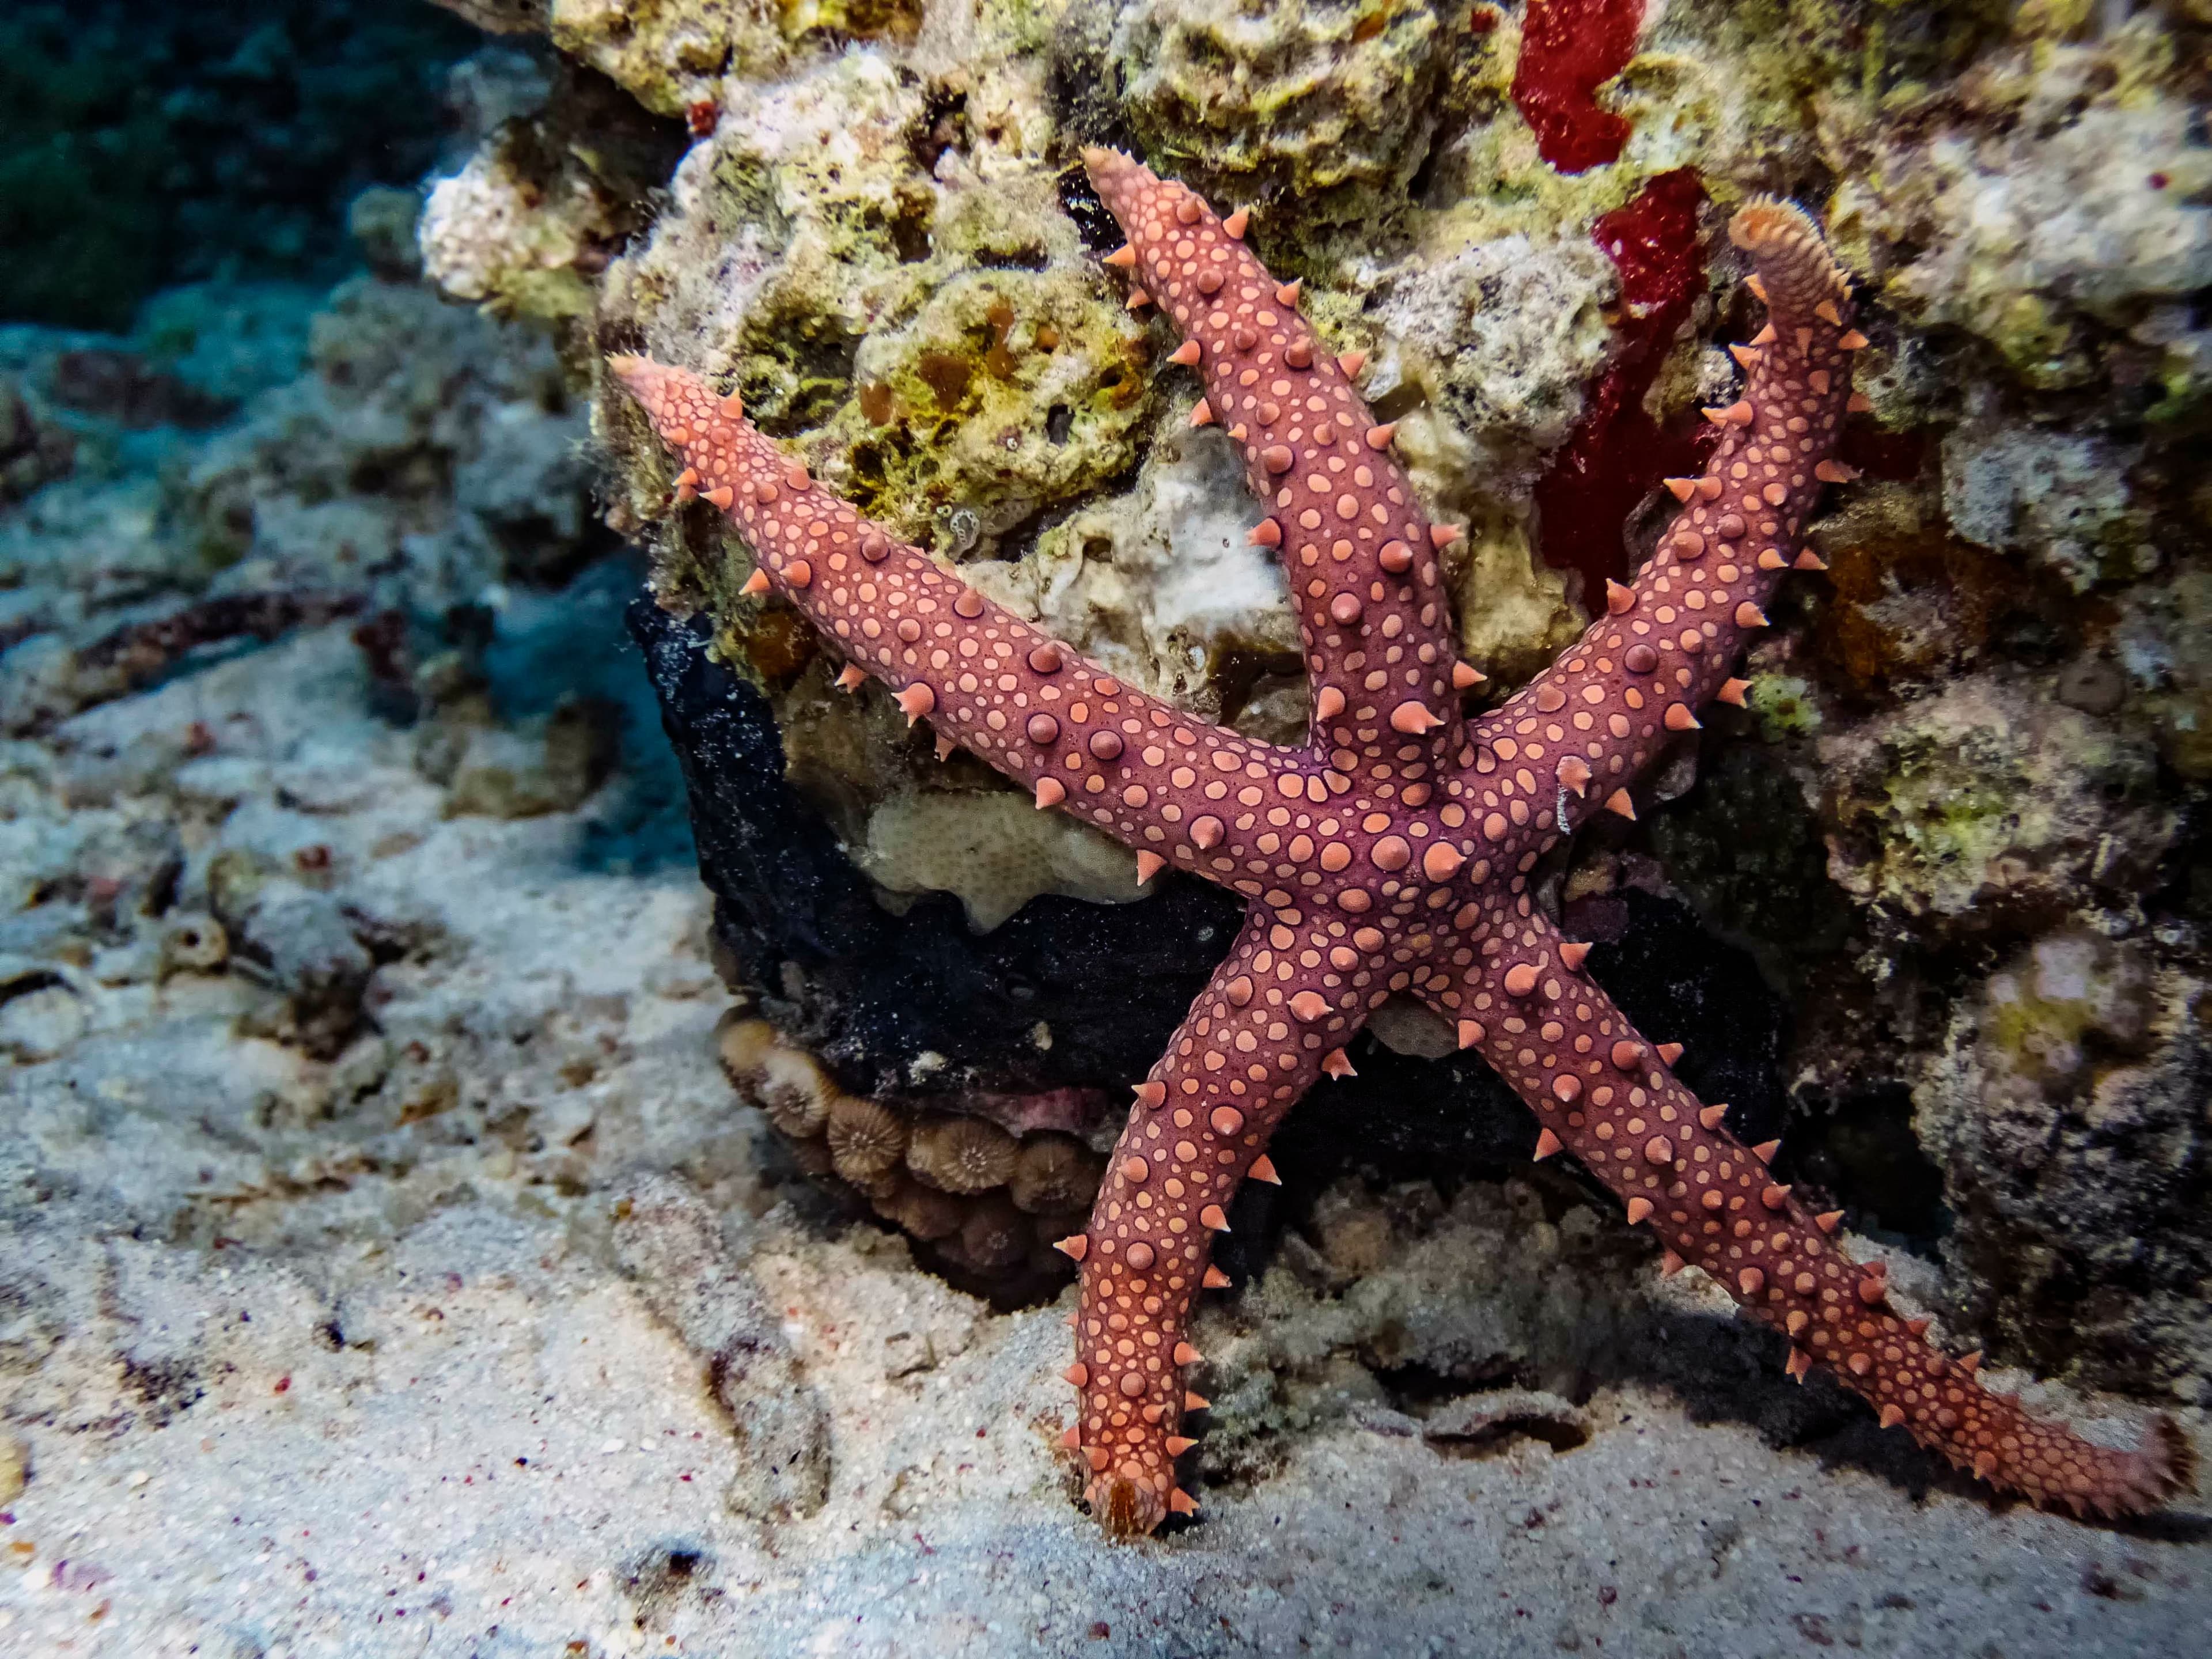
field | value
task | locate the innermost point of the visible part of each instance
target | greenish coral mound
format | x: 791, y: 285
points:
x: 937, y: 341
x: 669, y: 54
x: 681, y: 56
x: 2052, y: 203
x: 1784, y: 707
x: 1007, y: 392
x: 488, y: 235
x: 531, y: 219
x: 1987, y: 802
x: 1327, y: 102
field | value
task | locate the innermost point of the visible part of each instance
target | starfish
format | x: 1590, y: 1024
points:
x: 1391, y: 853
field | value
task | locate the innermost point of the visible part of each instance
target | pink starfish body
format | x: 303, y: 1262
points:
x: 1391, y: 853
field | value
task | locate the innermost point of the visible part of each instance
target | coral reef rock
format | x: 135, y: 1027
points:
x: 2066, y: 1115
x: 1988, y: 804
x: 1324, y: 102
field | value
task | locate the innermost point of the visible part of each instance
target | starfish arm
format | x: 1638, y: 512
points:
x: 1153, y: 778
x: 1359, y: 552
x: 1602, y: 1092
x: 1253, y: 1042
x: 1666, y: 645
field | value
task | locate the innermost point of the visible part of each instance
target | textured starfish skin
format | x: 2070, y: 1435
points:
x: 1392, y: 853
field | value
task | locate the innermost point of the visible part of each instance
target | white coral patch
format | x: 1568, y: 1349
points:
x: 2060, y: 497
x: 1157, y: 583
x: 991, y: 849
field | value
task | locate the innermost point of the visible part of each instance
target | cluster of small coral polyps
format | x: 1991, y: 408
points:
x: 1392, y: 854
x: 988, y: 1201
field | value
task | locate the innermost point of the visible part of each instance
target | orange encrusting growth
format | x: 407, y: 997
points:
x: 1392, y: 854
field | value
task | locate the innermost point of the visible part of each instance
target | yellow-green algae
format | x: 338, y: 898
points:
x: 1008, y: 391
x: 1325, y: 103
x: 671, y: 54
x: 2039, y: 1015
x: 1988, y: 800
x: 1784, y: 706
x: 2050, y: 196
